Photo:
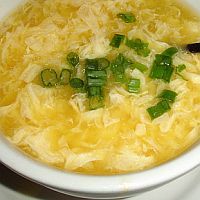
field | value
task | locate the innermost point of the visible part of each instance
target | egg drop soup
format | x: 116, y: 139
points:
x: 100, y: 86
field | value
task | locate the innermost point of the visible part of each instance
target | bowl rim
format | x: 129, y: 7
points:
x: 96, y: 184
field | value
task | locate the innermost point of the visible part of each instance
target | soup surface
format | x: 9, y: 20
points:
x: 57, y: 125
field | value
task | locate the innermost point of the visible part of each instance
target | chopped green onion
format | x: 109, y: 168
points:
x: 97, y: 64
x: 168, y: 95
x: 157, y: 71
x: 123, y: 61
x: 117, y: 40
x: 162, y: 65
x: 96, y: 102
x: 127, y: 62
x: 139, y: 46
x: 180, y: 68
x: 96, y: 77
x: 119, y: 60
x: 170, y: 52
x: 76, y: 83
x: 103, y: 63
x: 118, y: 68
x: 134, y: 86
x: 127, y: 17
x: 91, y: 64
x: 73, y: 59
x: 120, y: 77
x: 96, y: 74
x: 159, y: 109
x: 161, y: 72
x: 168, y: 74
x: 96, y: 82
x: 95, y: 91
x: 49, y: 77
x: 65, y: 76
x: 163, y: 60
x: 139, y: 66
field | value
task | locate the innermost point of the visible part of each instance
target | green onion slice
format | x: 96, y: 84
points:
x: 141, y: 67
x: 161, y: 72
x: 117, y: 40
x: 134, y: 86
x: 168, y: 74
x: 73, y: 59
x: 163, y: 60
x: 140, y: 47
x: 127, y: 62
x: 118, y: 68
x: 91, y: 64
x: 180, y: 68
x: 76, y: 83
x: 49, y: 77
x: 168, y: 95
x: 159, y: 109
x: 127, y: 17
x: 65, y: 76
x: 96, y: 102
x: 96, y: 82
x: 95, y: 91
x: 96, y: 74
x: 157, y: 71
x: 103, y: 63
x: 163, y: 66
x: 170, y: 52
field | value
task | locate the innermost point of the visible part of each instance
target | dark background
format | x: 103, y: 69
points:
x: 21, y: 185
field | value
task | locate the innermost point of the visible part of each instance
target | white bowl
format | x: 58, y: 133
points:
x: 88, y: 186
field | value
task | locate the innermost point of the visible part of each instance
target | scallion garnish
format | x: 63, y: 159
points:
x: 170, y: 52
x: 118, y: 68
x: 168, y: 74
x: 127, y: 62
x: 91, y: 64
x: 127, y: 17
x: 96, y: 102
x: 162, y: 65
x: 73, y: 59
x: 65, y: 76
x: 96, y: 74
x: 168, y: 95
x: 119, y: 60
x: 103, y: 63
x: 159, y: 109
x: 140, y: 47
x: 96, y: 82
x: 96, y: 77
x: 49, y: 77
x: 117, y: 40
x: 76, y: 83
x: 134, y: 86
x: 95, y: 91
x: 141, y: 67
x: 180, y: 68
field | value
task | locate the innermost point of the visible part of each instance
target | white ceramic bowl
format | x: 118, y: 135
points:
x: 88, y: 186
